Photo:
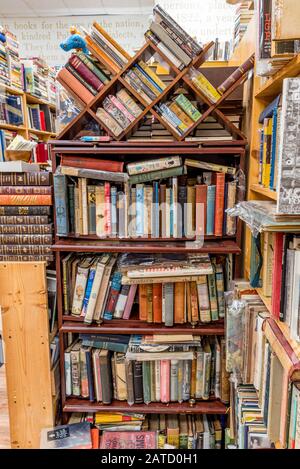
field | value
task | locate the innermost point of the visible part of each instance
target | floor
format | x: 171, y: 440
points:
x: 4, y: 420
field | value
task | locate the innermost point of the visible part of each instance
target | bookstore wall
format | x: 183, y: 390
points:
x: 150, y: 226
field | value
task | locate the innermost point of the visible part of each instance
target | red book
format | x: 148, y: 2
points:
x: 65, y: 77
x: 42, y: 120
x: 157, y: 302
x: 277, y: 275
x: 41, y: 153
x: 201, y: 209
x: 95, y: 438
x: 219, y: 204
x: 107, y: 209
x: 128, y: 440
x: 85, y: 72
x: 92, y: 163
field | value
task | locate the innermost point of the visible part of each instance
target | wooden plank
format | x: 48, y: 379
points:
x: 24, y: 308
x: 273, y: 86
x: 265, y: 191
x: 4, y: 419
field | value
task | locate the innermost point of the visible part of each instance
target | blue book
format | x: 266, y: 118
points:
x: 155, y: 211
x: 61, y: 204
x: 269, y: 110
x: 88, y: 289
x: 90, y: 375
x: 2, y: 145
x: 13, y: 110
x: 113, y: 295
x: 148, y: 77
x: 139, y: 210
x: 210, y: 214
x: 113, y: 201
x: 273, y: 147
x: 112, y: 346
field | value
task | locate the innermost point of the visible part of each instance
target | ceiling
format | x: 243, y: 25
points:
x: 46, y: 8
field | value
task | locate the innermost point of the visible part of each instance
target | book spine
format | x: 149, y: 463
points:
x: 219, y: 203
x: 139, y: 210
x: 165, y: 381
x: 164, y: 49
x: 27, y: 258
x: 220, y: 290
x: 122, y: 108
x: 194, y: 302
x: 75, y: 369
x: 113, y: 296
x: 231, y: 200
x: 210, y: 216
x: 109, y: 122
x: 146, y: 382
x: 68, y: 375
x: 129, y: 381
x: 25, y: 249
x: 84, y: 386
x: 187, y: 121
x: 71, y: 205
x: 106, y: 378
x: 32, y: 178
x: 138, y: 382
x: 206, y: 375
x: 186, y: 380
x: 88, y: 290
x: 213, y: 297
x: 152, y: 75
x: 170, y: 43
x: 266, y: 169
x: 80, y: 79
x: 149, y: 295
x: 130, y: 301
x: 156, y: 175
x: 121, y: 302
x: 22, y: 221
x: 157, y: 303
x: 90, y: 64
x: 188, y: 107
x: 19, y: 199
x: 25, y: 190
x: 199, y: 374
x: 153, y: 165
x: 25, y: 239
x: 153, y: 88
x: 25, y: 229
x: 238, y: 73
x: 107, y: 209
x: 115, y: 113
x: 174, y: 381
x: 85, y: 73
x: 129, y: 103
x: 203, y: 299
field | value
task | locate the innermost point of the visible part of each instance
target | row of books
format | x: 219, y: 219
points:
x: 269, y: 136
x: 39, y: 79
x: 173, y: 206
x: 11, y: 110
x: 119, y: 111
x: 221, y: 51
x: 170, y: 290
x: 136, y: 431
x: 243, y: 16
x: 40, y: 117
x: 25, y: 208
x: 149, y: 371
x: 10, y: 64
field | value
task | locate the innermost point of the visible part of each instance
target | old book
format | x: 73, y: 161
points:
x: 23, y: 199
x: 94, y: 174
x: 129, y: 102
x: 92, y: 163
x: 28, y: 178
x: 173, y: 431
x: 201, y: 209
x: 64, y: 76
x: 179, y: 302
x: 191, y: 211
x: 75, y: 369
x: 146, y: 166
x: 186, y: 380
x: 106, y: 376
x: 146, y: 382
x: 238, y: 73
x: 130, y: 301
x: 39, y: 229
x: 188, y: 107
x: 103, y: 289
x: 206, y: 369
x: 72, y: 436
x: 220, y: 290
x: 138, y: 382
x: 267, y: 149
x: 203, y: 299
x: 80, y: 285
x: 194, y: 303
x: 168, y: 303
x: 181, y: 114
x: 199, y: 373
x: 109, y: 122
x: 219, y: 203
x: 39, y: 190
x: 100, y: 211
x: 212, y: 288
x: 87, y: 75
x: 133, y: 440
x: 165, y: 381
x: 61, y: 204
x: 210, y: 166
x: 42, y: 239
x: 143, y: 311
x: 268, y: 259
x: 157, y: 303
x: 164, y: 49
x: 159, y: 31
x: 24, y: 220
x: 231, y: 200
x: 120, y: 376
x: 183, y: 432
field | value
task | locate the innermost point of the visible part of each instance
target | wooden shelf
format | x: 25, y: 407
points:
x: 265, y: 299
x: 265, y: 191
x: 212, y: 247
x: 125, y: 326
x: 61, y: 144
x: 144, y: 239
x: 273, y: 86
x: 201, y: 407
x: 31, y: 99
x: 11, y: 89
x: 14, y: 128
x: 156, y: 150
x: 41, y: 133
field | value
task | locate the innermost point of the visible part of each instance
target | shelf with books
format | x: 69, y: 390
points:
x: 14, y: 128
x: 31, y: 99
x: 265, y: 191
x: 137, y: 326
x: 41, y: 133
x: 203, y: 407
x: 213, y: 247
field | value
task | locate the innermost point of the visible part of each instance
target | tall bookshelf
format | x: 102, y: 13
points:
x: 121, y: 149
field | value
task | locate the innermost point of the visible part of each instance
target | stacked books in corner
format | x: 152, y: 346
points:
x: 171, y: 39
x: 25, y: 212
x: 149, y: 369
x: 119, y: 111
x: 84, y: 75
x: 163, y: 289
x: 125, y: 430
x: 154, y: 199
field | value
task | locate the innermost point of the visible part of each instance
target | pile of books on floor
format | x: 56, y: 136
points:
x: 119, y: 111
x: 179, y: 113
x: 25, y: 209
x: 152, y: 369
x: 137, y: 431
x: 159, y: 288
x: 171, y: 39
x: 145, y: 81
x: 154, y: 198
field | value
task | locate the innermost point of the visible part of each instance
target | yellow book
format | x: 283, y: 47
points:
x: 111, y: 40
x: 206, y: 87
x: 152, y: 74
x: 267, y: 150
x: 108, y: 417
x: 145, y: 81
x: 267, y: 269
x: 181, y: 114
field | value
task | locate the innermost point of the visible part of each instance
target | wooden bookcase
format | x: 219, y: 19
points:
x: 122, y: 150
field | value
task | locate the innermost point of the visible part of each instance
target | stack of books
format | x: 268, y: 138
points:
x: 11, y: 110
x: 243, y: 16
x: 164, y: 289
x: 13, y: 59
x: 136, y: 431
x: 35, y: 73
x: 4, y: 69
x: 171, y: 39
x: 145, y: 81
x: 149, y: 371
x: 25, y: 208
x: 84, y: 75
x: 155, y: 198
x: 119, y: 111
x: 52, y: 87
x: 180, y: 113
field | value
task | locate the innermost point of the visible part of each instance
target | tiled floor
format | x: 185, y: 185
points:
x: 4, y: 421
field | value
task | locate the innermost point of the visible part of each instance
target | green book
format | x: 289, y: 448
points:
x: 155, y: 175
x: 212, y: 288
x: 93, y: 67
x: 147, y: 382
x: 188, y: 107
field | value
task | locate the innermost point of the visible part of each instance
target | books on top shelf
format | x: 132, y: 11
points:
x: 10, y: 66
x: 163, y: 289
x: 137, y: 431
x: 11, y: 111
x: 39, y: 79
x: 146, y: 372
x: 159, y: 200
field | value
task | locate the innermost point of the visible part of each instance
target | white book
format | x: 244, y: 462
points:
x: 168, y: 211
x: 259, y: 350
x: 18, y: 167
x: 175, y: 206
x: 68, y: 373
x: 295, y: 333
x: 80, y: 285
x: 88, y: 318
